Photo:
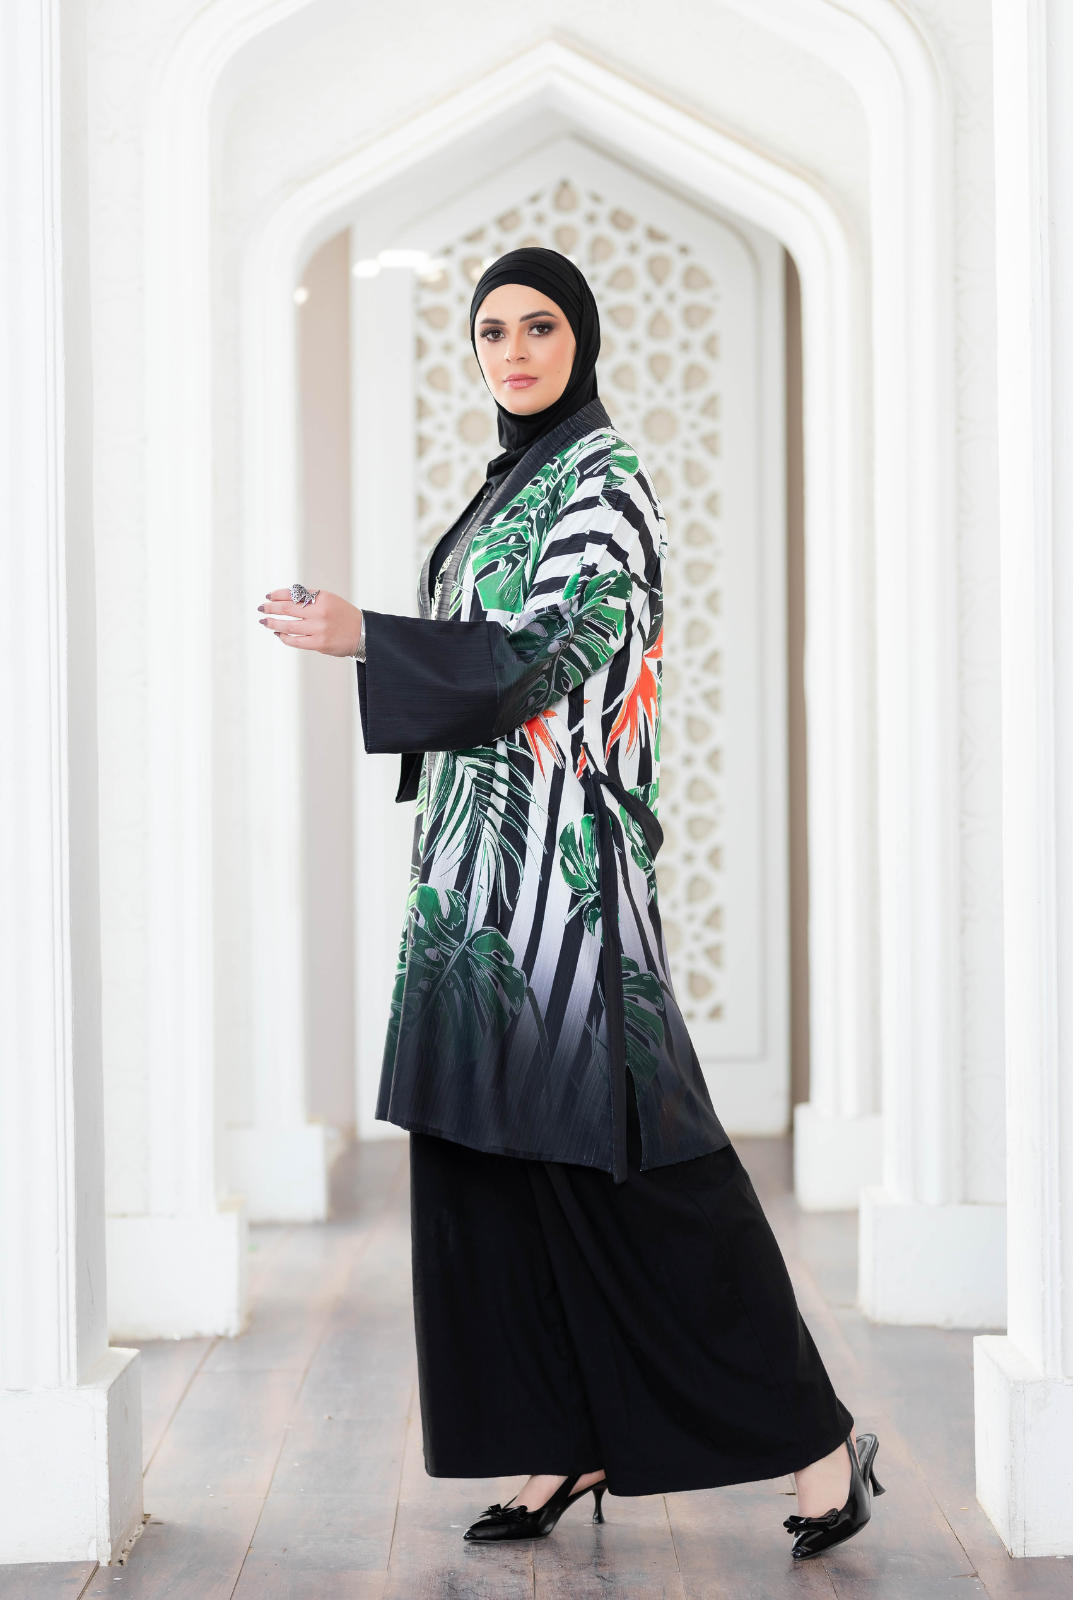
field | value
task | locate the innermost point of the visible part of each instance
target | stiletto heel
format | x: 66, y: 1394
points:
x: 866, y: 1446
x: 815, y: 1535
x: 518, y: 1522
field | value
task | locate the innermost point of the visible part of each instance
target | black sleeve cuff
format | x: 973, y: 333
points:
x: 426, y: 685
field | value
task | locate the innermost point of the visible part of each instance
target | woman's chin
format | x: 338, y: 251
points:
x: 524, y: 402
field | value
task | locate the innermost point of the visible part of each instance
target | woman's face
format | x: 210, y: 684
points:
x: 525, y: 348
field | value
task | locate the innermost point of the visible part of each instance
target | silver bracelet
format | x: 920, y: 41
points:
x: 360, y: 653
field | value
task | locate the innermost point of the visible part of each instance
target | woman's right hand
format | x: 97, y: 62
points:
x: 329, y: 624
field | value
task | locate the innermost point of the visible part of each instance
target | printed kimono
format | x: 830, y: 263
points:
x: 533, y: 983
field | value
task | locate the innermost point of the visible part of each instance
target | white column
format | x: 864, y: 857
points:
x: 384, y: 578
x: 179, y: 1268
x: 1023, y: 1390
x: 279, y: 1162
x: 70, y: 1462
x: 925, y: 1256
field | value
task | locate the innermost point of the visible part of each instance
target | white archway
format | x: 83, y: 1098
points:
x: 901, y: 956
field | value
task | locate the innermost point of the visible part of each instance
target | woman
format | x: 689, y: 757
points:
x: 599, y: 1299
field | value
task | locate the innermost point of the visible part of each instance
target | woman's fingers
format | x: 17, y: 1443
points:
x: 298, y: 641
x: 283, y: 608
x: 280, y: 594
x: 290, y: 624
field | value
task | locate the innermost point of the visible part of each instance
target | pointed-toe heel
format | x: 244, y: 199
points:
x: 517, y: 1522
x: 814, y: 1535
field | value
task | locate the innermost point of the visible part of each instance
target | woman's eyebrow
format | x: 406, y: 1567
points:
x: 530, y: 316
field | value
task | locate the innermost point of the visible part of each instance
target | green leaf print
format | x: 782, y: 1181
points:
x: 505, y: 553
x: 639, y: 850
x: 599, y: 613
x: 581, y: 870
x: 462, y: 989
x: 623, y: 464
x: 479, y: 811
x: 643, y: 1003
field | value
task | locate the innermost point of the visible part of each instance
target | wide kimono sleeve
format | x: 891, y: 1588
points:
x: 455, y: 685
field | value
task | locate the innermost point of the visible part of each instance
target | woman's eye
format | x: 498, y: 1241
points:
x: 541, y: 327
x: 491, y: 334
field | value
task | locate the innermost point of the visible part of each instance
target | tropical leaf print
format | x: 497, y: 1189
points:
x: 623, y: 463
x: 635, y: 838
x: 463, y: 989
x: 504, y: 553
x: 479, y: 812
x: 643, y: 1003
x: 580, y: 868
x: 598, y: 607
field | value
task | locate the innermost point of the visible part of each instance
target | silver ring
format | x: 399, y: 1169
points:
x: 302, y: 596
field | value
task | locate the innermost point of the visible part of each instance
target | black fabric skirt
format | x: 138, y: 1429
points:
x: 565, y: 1323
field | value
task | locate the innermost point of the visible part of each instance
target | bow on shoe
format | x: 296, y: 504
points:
x: 799, y: 1524
x: 498, y: 1513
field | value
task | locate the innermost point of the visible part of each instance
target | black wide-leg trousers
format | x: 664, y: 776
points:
x: 565, y: 1323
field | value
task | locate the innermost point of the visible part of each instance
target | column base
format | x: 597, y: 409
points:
x: 935, y: 1266
x: 836, y: 1158
x: 281, y: 1172
x: 71, y: 1466
x: 1023, y: 1450
x: 177, y: 1277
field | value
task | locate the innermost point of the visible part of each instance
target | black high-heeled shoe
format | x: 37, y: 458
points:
x: 518, y: 1522
x: 814, y: 1535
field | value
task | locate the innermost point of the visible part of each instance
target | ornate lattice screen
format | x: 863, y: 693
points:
x: 661, y: 377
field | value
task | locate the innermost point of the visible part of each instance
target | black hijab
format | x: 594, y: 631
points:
x: 557, y: 278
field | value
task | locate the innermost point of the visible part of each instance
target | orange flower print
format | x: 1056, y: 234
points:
x: 540, y: 739
x: 641, y: 701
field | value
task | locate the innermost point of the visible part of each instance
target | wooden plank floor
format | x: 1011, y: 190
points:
x: 287, y: 1464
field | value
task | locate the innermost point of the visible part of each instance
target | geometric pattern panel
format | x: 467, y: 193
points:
x: 661, y: 374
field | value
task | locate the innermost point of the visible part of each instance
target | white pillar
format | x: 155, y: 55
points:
x: 70, y: 1463
x: 925, y: 1256
x: 384, y: 578
x: 1023, y: 1390
x: 179, y: 1268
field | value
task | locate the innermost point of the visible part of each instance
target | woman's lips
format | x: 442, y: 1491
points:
x: 520, y: 380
